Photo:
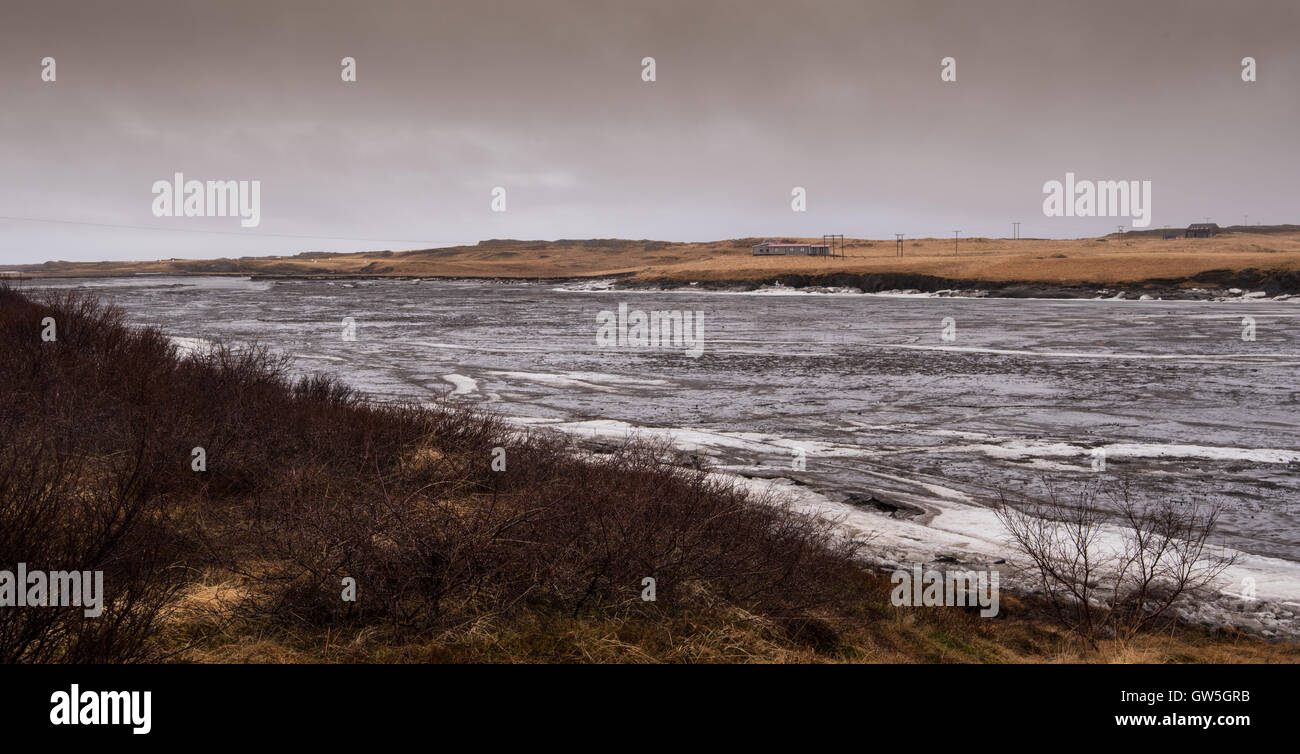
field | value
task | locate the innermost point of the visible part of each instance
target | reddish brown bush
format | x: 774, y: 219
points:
x: 308, y: 483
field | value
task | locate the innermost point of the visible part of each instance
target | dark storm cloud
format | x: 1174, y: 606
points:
x: 545, y: 98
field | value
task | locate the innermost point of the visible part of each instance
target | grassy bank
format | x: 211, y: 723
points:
x: 1252, y: 258
x: 306, y: 489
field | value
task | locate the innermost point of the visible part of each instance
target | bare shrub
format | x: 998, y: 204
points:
x: 308, y: 482
x: 1109, y: 565
x: 60, y: 512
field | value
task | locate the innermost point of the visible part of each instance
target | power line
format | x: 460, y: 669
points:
x: 227, y: 232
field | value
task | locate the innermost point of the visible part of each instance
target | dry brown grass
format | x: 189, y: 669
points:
x: 211, y: 630
x: 1085, y: 261
x: 1110, y: 261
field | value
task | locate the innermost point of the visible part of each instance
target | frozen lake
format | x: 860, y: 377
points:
x: 865, y: 389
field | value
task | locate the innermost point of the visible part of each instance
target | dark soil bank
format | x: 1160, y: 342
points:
x: 1206, y: 285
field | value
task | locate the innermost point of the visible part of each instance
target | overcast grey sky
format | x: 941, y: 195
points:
x: 546, y: 98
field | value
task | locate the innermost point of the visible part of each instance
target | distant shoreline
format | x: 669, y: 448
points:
x: 1258, y: 261
x: 1227, y: 285
x: 1236, y: 286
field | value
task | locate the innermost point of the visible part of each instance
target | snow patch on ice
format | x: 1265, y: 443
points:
x: 463, y: 385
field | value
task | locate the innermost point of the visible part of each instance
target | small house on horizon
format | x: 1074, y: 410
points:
x: 1202, y: 230
x: 772, y: 247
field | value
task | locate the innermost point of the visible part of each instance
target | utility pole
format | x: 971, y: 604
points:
x: 1119, y: 228
x: 1245, y: 219
x: 899, y: 248
x: 954, y: 242
x: 1015, y: 231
